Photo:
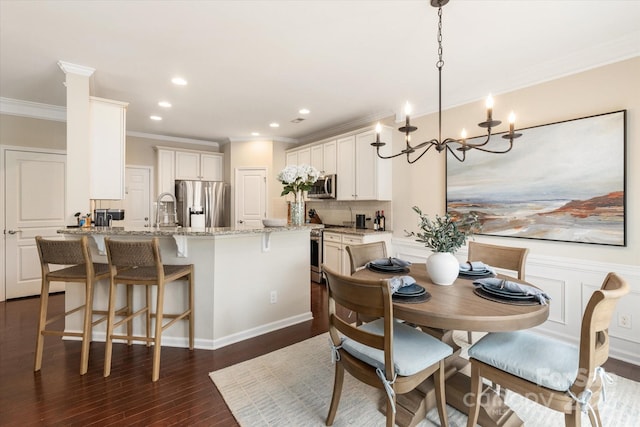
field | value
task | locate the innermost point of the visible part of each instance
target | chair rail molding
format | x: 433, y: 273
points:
x: 569, y: 282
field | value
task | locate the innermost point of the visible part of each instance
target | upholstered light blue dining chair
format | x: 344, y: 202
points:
x: 384, y: 353
x: 562, y: 376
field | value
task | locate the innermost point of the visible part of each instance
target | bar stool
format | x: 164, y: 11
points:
x: 76, y: 256
x: 138, y: 263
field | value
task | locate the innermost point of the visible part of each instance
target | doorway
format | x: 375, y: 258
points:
x: 34, y: 195
x: 250, y: 196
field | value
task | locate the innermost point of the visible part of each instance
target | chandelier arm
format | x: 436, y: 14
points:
x: 421, y: 154
x: 429, y: 143
x: 388, y: 157
x: 485, y: 142
x: 486, y: 150
x: 464, y: 154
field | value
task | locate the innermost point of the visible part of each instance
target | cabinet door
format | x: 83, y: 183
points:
x: 187, y: 165
x: 329, y: 157
x: 348, y: 240
x: 166, y: 162
x: 333, y: 256
x: 365, y: 167
x: 345, y: 171
x: 107, y: 154
x: 317, y: 160
x: 211, y: 168
x: 291, y: 158
x: 304, y: 156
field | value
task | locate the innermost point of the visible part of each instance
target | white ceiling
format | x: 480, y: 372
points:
x: 250, y: 63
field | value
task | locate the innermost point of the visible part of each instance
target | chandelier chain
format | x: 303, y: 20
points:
x: 440, y: 62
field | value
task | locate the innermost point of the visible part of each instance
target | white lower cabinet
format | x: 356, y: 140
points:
x: 335, y: 253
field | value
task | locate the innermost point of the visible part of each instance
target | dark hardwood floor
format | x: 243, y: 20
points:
x: 184, y: 394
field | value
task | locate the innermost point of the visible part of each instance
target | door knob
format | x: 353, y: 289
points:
x: 240, y: 221
x: 12, y: 231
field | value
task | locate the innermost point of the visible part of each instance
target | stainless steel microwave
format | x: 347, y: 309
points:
x: 323, y: 188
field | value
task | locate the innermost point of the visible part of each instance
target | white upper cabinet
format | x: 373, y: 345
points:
x: 329, y: 157
x: 175, y: 164
x: 362, y: 175
x: 198, y: 166
x: 345, y: 170
x: 107, y: 149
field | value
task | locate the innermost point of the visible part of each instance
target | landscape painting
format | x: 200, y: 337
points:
x: 563, y: 181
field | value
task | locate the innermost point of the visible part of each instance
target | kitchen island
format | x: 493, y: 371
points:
x: 248, y: 281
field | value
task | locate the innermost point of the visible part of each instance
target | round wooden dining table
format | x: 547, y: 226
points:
x: 458, y: 307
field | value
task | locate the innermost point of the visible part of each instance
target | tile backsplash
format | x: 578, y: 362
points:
x: 344, y: 212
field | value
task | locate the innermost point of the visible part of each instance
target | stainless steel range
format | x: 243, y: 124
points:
x: 316, y: 255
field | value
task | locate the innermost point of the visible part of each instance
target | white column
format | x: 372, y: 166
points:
x: 78, y: 138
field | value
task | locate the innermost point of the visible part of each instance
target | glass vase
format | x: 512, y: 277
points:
x: 297, y: 209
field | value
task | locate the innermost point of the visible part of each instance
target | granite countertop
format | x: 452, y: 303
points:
x: 180, y: 231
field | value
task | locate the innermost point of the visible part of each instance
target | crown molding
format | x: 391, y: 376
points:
x: 81, y: 70
x: 173, y: 139
x: 35, y: 110
x: 346, y: 127
x: 258, y: 138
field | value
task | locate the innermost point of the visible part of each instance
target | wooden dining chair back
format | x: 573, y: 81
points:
x: 385, y: 354
x: 139, y: 263
x: 505, y: 257
x: 68, y: 261
x: 360, y: 255
x: 561, y: 376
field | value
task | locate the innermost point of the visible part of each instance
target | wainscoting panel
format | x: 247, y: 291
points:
x: 570, y: 283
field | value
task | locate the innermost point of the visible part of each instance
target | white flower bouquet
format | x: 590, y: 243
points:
x: 297, y: 178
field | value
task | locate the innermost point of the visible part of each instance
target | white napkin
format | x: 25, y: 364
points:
x: 475, y: 266
x: 516, y: 288
x: 397, y: 282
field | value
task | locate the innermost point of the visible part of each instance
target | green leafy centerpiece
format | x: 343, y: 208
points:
x: 444, y: 235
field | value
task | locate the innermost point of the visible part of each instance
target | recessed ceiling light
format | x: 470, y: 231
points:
x: 304, y: 111
x: 156, y: 118
x: 255, y: 133
x: 164, y: 104
x: 274, y: 125
x: 179, y: 81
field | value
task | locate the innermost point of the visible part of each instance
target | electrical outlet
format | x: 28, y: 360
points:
x: 274, y: 297
x: 624, y: 321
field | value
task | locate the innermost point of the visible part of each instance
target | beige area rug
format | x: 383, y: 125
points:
x: 292, y: 387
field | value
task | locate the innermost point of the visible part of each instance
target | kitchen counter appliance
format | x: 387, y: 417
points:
x: 324, y: 188
x: 316, y: 255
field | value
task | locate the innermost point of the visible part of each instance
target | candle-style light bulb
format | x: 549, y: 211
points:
x: 407, y: 112
x: 463, y: 135
x: 489, y: 105
x: 378, y: 131
x: 512, y: 122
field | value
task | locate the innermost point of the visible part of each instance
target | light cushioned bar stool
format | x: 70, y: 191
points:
x: 138, y: 263
x: 79, y: 268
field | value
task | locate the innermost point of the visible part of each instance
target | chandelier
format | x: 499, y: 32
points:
x: 459, y: 152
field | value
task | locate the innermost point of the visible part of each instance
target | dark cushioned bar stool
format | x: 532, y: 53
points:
x: 139, y: 263
x: 75, y: 255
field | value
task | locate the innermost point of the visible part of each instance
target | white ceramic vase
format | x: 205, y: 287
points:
x: 443, y: 268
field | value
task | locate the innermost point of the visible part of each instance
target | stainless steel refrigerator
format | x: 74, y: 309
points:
x: 212, y: 197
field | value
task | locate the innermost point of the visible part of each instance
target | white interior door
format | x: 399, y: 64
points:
x: 251, y: 196
x: 34, y: 205
x: 137, y: 203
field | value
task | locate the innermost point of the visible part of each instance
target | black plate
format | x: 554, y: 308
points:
x: 411, y: 290
x: 387, y: 268
x: 505, y: 294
